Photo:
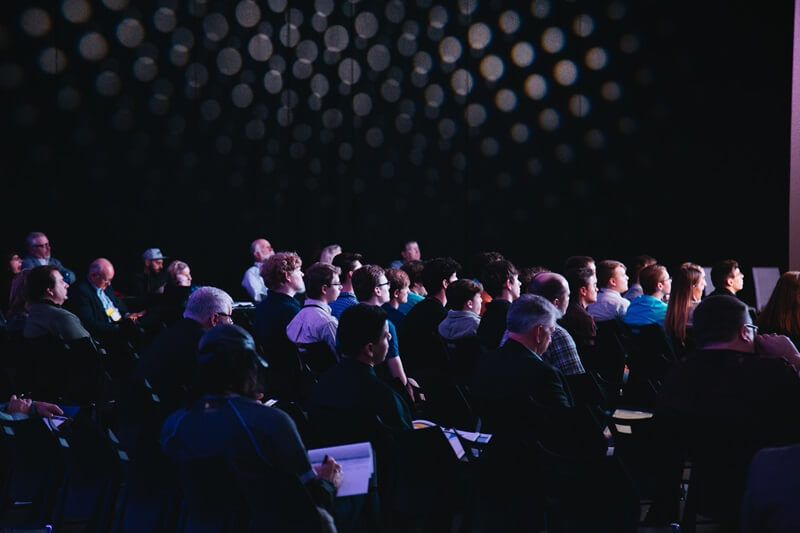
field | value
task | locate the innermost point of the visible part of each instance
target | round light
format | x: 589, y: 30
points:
x: 579, y: 105
x: 475, y: 115
x: 242, y: 95
x: 260, y: 47
x: 307, y: 51
x: 76, y: 11
x: 611, y: 91
x: 437, y: 17
x: 520, y: 133
x: 145, y: 69
x: 35, y: 22
x: 395, y: 11
x: 540, y: 8
x: 179, y: 55
x: 509, y: 21
x: 229, y: 62
x: 336, y: 38
x: 434, y: 95
x: 492, y: 67
x: 583, y: 25
x: 549, y: 119
x: 596, y: 58
x: 164, y: 19
x: 248, y: 14
x: 565, y: 72
x: 320, y: 85
x: 553, y: 40
x: 130, y: 32
x: 447, y: 128
x: 52, y: 60
x: 479, y: 35
x: 378, y: 58
x: 467, y: 7
x: 115, y: 5
x: 273, y: 82
x: 215, y: 27
x: 196, y: 75
x: 505, y: 100
x: 535, y: 87
x: 332, y: 119
x: 522, y: 54
x: 461, y: 81
x: 93, y: 47
x: 349, y: 71
x: 390, y: 90
x: 107, y: 83
x: 362, y: 104
x: 366, y: 25
x: 289, y: 35
x: 278, y: 6
x: 422, y: 62
x: 450, y: 49
x: 324, y: 7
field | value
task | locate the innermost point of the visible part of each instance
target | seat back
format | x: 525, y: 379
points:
x: 609, y: 355
x: 650, y: 355
x: 764, y: 281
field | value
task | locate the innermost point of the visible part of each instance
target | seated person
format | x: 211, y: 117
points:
x: 501, y: 280
x: 39, y: 255
x: 47, y: 292
x: 348, y: 262
x: 463, y: 317
x: 578, y: 323
x: 152, y: 278
x: 315, y: 323
x: 416, y: 290
x: 229, y: 420
x: 613, y: 282
x: 399, y: 290
x: 176, y: 292
x: 650, y: 308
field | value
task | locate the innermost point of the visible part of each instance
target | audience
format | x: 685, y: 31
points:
x: 13, y: 267
x: 39, y: 255
x: 176, y: 293
x: 314, y: 323
x: 410, y: 252
x: 686, y: 292
x: 501, y: 281
x: 416, y: 290
x: 613, y: 282
x: 348, y: 262
x: 649, y: 307
x: 640, y: 262
x: 399, y: 284
x: 19, y: 303
x: 152, y: 279
x: 781, y: 315
x: 253, y: 283
x: 329, y: 252
x: 463, y: 317
x: 47, y: 292
x: 284, y: 279
x: 727, y: 278
x: 579, y: 261
x: 578, y: 323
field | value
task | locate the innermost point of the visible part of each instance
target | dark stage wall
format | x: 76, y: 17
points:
x: 540, y: 129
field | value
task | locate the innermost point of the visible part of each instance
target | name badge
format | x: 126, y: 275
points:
x: 113, y: 314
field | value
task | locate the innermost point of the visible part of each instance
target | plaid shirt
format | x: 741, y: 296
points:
x: 562, y: 353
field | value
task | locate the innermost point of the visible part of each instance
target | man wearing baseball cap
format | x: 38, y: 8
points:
x: 152, y: 278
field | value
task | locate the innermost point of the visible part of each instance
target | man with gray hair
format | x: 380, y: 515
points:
x: 252, y: 281
x: 39, y: 254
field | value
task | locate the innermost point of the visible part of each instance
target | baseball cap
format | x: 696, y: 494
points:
x: 153, y: 253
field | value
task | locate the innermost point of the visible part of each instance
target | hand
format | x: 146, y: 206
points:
x: 330, y: 470
x: 18, y: 405
x: 48, y: 410
x: 414, y: 389
x: 133, y: 317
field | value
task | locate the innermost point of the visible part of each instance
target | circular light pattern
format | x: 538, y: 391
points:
x: 278, y: 6
x: 505, y: 100
x: 130, y: 32
x: 324, y: 7
x: 52, y: 60
x: 395, y: 11
x: 320, y: 85
x: 583, y: 25
x: 108, y: 83
x: 467, y: 7
x: 183, y: 36
x: 196, y: 75
x: 565, y: 72
x: 437, y: 17
x: 273, y: 82
x: 422, y: 62
x: 553, y: 40
x: 229, y: 61
x: 35, y: 22
x: 479, y: 36
x: 475, y: 115
x: 215, y: 26
x: 450, y: 49
x: 434, y: 95
x: 210, y: 110
x: 629, y: 44
x: 277, y: 62
x: 390, y: 90
x: 378, y: 58
x: 611, y: 91
x: 336, y: 38
x: 535, y: 87
x: 596, y: 58
x: 93, y: 46
x: 145, y: 69
x: 289, y: 35
x: 522, y: 54
x: 461, y: 81
x: 362, y: 104
x: 549, y: 119
x: 179, y: 55
x: 540, y: 8
x: 579, y: 105
x: 490, y: 148
x: 319, y: 22
x: 407, y: 44
x: 520, y: 133
x: 302, y: 70
x: 447, y: 128
x: 76, y: 11
x: 349, y: 71
x: 492, y: 67
x: 332, y: 119
x: 403, y: 123
x: 248, y: 14
x: 366, y: 25
x: 509, y: 21
x: 307, y: 51
x: 164, y: 19
x: 260, y: 47
x: 115, y: 5
x: 68, y: 99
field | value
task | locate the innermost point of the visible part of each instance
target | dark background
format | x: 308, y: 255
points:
x: 689, y: 162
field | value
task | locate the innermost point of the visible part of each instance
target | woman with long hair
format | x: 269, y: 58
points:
x: 782, y: 312
x: 688, y: 284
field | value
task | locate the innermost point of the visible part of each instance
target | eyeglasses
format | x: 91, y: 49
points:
x: 229, y: 317
x: 334, y: 284
x: 382, y: 284
x: 753, y: 327
x: 43, y: 245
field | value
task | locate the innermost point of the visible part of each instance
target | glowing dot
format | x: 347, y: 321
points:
x: 115, y: 5
x: 273, y: 82
x: 403, y: 123
x: 565, y: 72
x: 366, y: 25
x: 179, y: 55
x: 320, y: 85
x: 492, y: 67
x: 196, y: 75
x: 422, y: 62
x: 395, y: 11
x: 540, y: 8
x: 461, y: 81
x: 549, y: 119
x: 450, y: 49
x: 336, y: 38
x: 434, y: 95
x: 289, y: 35
x: 248, y: 14
x: 324, y: 7
x: 467, y: 7
x: 505, y: 100
x: 535, y: 87
x: 378, y: 58
x: 475, y: 115
x: 362, y: 104
x: 35, y: 22
x: 520, y: 133
x: 509, y: 21
x: 349, y: 71
x: 229, y: 61
x: 76, y: 11
x: 390, y: 90
x: 260, y: 47
x: 145, y: 69
x: 130, y: 32
x: 215, y: 26
x: 553, y: 40
x: 164, y: 19
x: 93, y: 46
x: 611, y: 91
x: 52, y: 60
x: 108, y: 83
x: 579, y: 105
x: 447, y: 128
x: 583, y: 25
x: 437, y: 17
x: 242, y: 95
x: 522, y: 54
x: 278, y: 6
x: 479, y: 35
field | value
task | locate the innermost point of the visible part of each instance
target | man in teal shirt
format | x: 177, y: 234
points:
x: 649, y: 308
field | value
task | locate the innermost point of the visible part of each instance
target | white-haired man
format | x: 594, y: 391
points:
x: 39, y: 255
x: 252, y: 281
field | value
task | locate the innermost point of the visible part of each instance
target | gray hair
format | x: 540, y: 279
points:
x: 530, y: 310
x: 32, y: 236
x: 175, y: 267
x: 206, y: 301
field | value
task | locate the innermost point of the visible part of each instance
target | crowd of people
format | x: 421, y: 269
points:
x: 347, y: 336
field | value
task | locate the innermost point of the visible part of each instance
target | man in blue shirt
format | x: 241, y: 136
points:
x: 649, y: 308
x: 349, y: 262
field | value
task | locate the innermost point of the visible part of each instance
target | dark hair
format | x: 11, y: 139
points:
x: 414, y: 270
x: 365, y: 279
x: 782, y: 312
x: 577, y: 261
x: 721, y: 271
x: 547, y: 284
x: 359, y: 325
x: 526, y: 275
x: 605, y: 271
x: 495, y: 275
x: 718, y: 319
x: 39, y: 280
x: 578, y: 278
x: 317, y: 276
x: 460, y: 292
x: 438, y: 270
x: 649, y: 278
x: 227, y: 361
x: 480, y: 260
x: 397, y: 279
x: 639, y: 263
x: 347, y: 261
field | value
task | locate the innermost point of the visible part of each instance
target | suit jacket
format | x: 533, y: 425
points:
x: 47, y: 318
x: 67, y: 274
x: 84, y: 302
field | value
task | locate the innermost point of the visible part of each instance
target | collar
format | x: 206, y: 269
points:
x: 310, y: 302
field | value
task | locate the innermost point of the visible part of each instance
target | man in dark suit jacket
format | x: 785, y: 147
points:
x: 39, y: 255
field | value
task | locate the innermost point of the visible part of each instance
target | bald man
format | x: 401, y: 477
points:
x: 93, y: 300
x: 252, y: 281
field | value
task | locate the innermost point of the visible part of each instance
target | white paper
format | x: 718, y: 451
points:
x: 358, y: 465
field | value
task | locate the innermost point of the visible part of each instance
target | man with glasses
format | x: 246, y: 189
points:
x: 39, y: 255
x: 315, y: 323
x: 650, y: 307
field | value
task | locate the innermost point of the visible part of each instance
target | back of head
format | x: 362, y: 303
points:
x: 480, y: 260
x: 578, y: 277
x: 348, y: 262
x: 721, y: 271
x: 18, y: 299
x: 460, y: 292
x: 782, y: 312
x: 39, y: 280
x: 718, y: 319
x: 530, y: 310
x: 275, y: 269
x: 365, y: 279
x: 680, y: 299
x: 649, y: 278
x: 206, y: 301
x: 227, y: 362
x: 438, y: 270
x: 398, y: 279
x: 414, y: 270
x: 639, y: 263
x: 605, y: 271
x: 550, y: 285
x: 317, y: 276
x: 495, y: 275
x: 359, y: 325
x: 175, y: 268
x: 578, y: 261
